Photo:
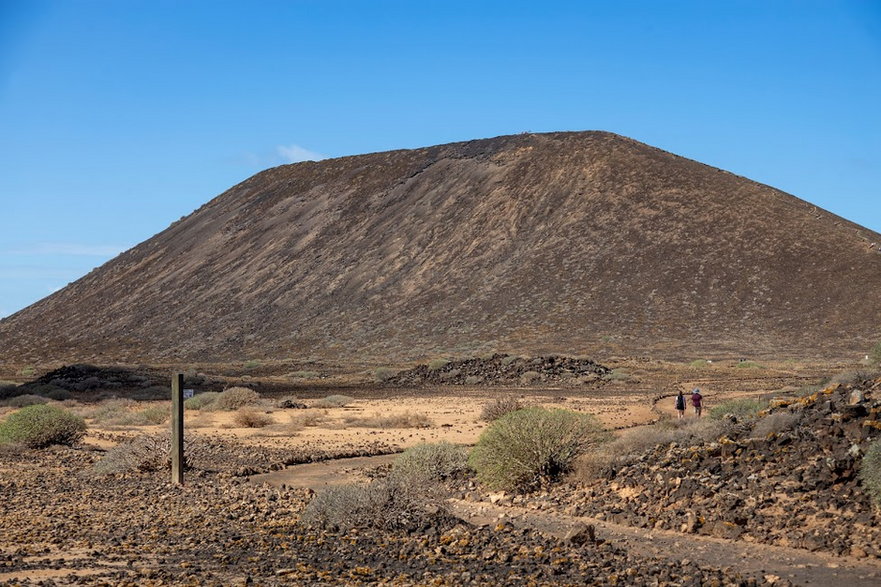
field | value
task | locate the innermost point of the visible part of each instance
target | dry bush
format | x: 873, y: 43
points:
x: 248, y: 418
x: 436, y: 364
x: 333, y: 401
x: 395, y: 503
x: 38, y: 426
x: 200, y: 401
x: 110, y: 411
x: 233, y: 399
x: 437, y: 461
x: 308, y: 418
x: 527, y: 448
x: 303, y: 375
x: 634, y: 443
x: 27, y: 399
x: 145, y: 453
x: 775, y: 424
x: 403, y: 420
x: 530, y: 377
x: 499, y: 407
x: 383, y: 374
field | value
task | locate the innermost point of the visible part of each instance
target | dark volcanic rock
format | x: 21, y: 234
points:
x: 505, y: 369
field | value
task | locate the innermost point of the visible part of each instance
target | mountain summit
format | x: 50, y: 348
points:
x: 575, y: 243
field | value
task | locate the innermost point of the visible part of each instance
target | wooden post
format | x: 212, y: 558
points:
x: 177, y: 429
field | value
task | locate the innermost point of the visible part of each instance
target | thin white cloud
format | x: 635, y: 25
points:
x: 69, y: 249
x: 296, y: 154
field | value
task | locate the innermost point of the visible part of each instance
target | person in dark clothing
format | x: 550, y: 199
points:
x: 697, y: 401
x: 680, y: 404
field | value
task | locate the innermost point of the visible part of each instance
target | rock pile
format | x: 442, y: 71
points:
x: 502, y: 369
x: 790, y: 478
x: 90, y: 377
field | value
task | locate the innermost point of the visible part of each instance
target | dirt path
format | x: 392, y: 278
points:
x: 323, y: 473
x: 798, y: 566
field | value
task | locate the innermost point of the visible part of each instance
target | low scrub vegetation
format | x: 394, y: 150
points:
x: 527, y: 448
x: 27, y: 399
x: 403, y: 420
x: 634, y: 443
x: 146, y: 453
x: 436, y: 461
x: 398, y: 502
x: 741, y: 409
x: 870, y: 472
x: 749, y: 365
x: 201, y: 401
x: 498, y: 407
x: 438, y: 364
x: 308, y: 418
x: 383, y: 374
x: 41, y: 425
x: 249, y: 418
x: 699, y: 364
x: 333, y: 401
x: 233, y: 399
x: 875, y: 355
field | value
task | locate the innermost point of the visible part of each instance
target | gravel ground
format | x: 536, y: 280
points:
x: 62, y: 524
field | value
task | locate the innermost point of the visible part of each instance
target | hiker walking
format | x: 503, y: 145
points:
x: 696, y: 401
x: 680, y: 404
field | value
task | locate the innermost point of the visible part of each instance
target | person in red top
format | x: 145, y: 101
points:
x: 696, y: 401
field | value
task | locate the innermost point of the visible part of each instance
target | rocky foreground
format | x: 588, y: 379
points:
x: 62, y: 524
x: 789, y: 478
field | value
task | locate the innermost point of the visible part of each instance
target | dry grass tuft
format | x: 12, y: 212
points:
x: 403, y: 420
x: 249, y: 418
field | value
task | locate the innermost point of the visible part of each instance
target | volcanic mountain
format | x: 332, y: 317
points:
x: 579, y: 243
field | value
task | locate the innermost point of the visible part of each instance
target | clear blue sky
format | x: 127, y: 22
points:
x: 119, y: 117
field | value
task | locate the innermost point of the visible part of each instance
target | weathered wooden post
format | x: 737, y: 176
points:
x: 177, y: 428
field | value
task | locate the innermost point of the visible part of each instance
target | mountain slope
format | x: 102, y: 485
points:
x: 561, y: 242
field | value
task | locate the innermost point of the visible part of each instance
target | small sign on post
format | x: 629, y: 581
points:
x: 177, y: 429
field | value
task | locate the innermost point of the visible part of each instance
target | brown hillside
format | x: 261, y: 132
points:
x: 576, y: 243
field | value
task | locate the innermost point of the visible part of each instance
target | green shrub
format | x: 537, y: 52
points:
x: 438, y: 364
x: 870, y: 472
x: 499, y: 407
x: 394, y: 503
x: 233, y: 399
x: 739, y: 408
x: 253, y: 364
x: 437, y: 461
x: 27, y: 399
x: 699, y: 364
x: 524, y: 449
x: 333, y: 401
x: 40, y: 425
x: 200, y: 401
